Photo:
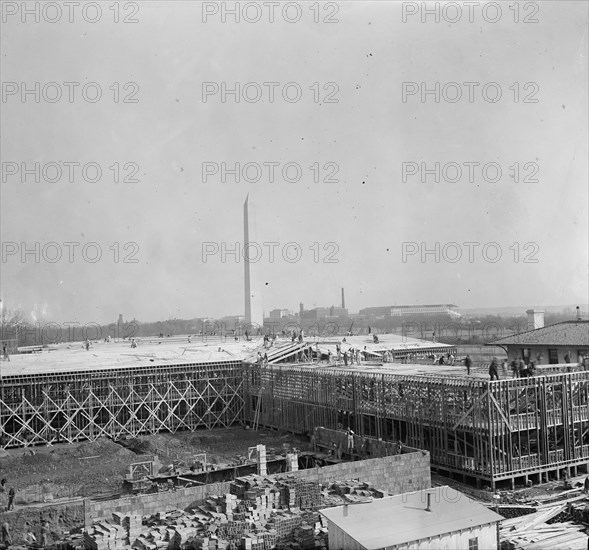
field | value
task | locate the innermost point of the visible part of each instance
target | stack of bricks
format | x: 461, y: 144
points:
x: 284, y: 524
x: 132, y: 525
x: 261, y: 460
x: 230, y: 504
x: 258, y: 514
x: 104, y: 535
x: 292, y: 462
x: 304, y: 536
x: 302, y: 494
x: 232, y: 530
x: 253, y: 542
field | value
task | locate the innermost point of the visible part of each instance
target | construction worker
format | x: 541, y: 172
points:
x: 531, y: 367
x: 45, y: 534
x: 5, y: 352
x: 515, y: 368
x: 6, y: 537
x: 350, y: 439
x: 493, y: 371
x: 11, y: 495
x: 522, y: 368
x: 467, y: 363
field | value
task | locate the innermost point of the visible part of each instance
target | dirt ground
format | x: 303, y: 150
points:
x: 90, y: 469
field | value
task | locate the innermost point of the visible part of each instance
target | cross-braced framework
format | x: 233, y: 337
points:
x: 48, y: 408
x: 480, y: 430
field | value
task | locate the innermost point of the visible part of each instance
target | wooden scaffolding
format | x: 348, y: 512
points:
x: 47, y: 408
x: 480, y: 430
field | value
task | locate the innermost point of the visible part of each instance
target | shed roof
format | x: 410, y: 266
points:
x: 403, y: 518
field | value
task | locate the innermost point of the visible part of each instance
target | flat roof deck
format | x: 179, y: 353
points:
x: 178, y: 350
x: 72, y: 356
x: 456, y: 371
x: 386, y: 342
x: 400, y: 369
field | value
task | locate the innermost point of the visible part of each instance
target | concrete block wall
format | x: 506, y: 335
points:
x: 152, y: 503
x: 393, y: 474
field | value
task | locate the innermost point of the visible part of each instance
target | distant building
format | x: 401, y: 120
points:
x: 277, y: 314
x: 315, y: 314
x: 319, y: 313
x: 429, y: 519
x: 338, y: 312
x: 551, y: 342
x: 230, y: 320
x: 382, y: 312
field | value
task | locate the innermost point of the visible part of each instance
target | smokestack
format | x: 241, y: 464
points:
x: 535, y: 318
x: 343, y: 300
x: 578, y: 310
x: 429, y: 502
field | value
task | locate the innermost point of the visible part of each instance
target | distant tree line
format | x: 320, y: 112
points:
x: 19, y: 331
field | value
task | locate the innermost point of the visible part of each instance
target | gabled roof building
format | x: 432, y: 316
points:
x: 566, y: 342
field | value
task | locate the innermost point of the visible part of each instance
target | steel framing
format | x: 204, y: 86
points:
x: 478, y: 429
x: 48, y: 408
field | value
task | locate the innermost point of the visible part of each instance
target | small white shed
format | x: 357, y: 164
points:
x: 439, y: 518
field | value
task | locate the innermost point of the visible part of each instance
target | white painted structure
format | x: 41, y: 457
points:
x: 440, y: 518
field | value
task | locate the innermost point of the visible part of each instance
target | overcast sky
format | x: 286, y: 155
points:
x: 365, y: 208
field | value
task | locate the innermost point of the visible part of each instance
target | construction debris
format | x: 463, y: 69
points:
x: 550, y: 526
x: 258, y: 513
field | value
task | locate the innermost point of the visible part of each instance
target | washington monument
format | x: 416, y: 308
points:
x: 254, y: 314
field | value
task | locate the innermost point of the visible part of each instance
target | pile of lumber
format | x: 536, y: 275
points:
x: 533, y: 532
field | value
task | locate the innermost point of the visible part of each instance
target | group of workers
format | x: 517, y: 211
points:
x: 29, y: 539
x: 7, y: 496
x: 519, y: 367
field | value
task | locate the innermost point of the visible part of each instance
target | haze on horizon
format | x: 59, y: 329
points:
x: 362, y: 220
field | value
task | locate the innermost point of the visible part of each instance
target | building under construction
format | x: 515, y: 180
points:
x: 482, y: 431
x: 479, y: 430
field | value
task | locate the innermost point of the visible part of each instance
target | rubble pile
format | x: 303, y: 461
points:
x: 258, y: 513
